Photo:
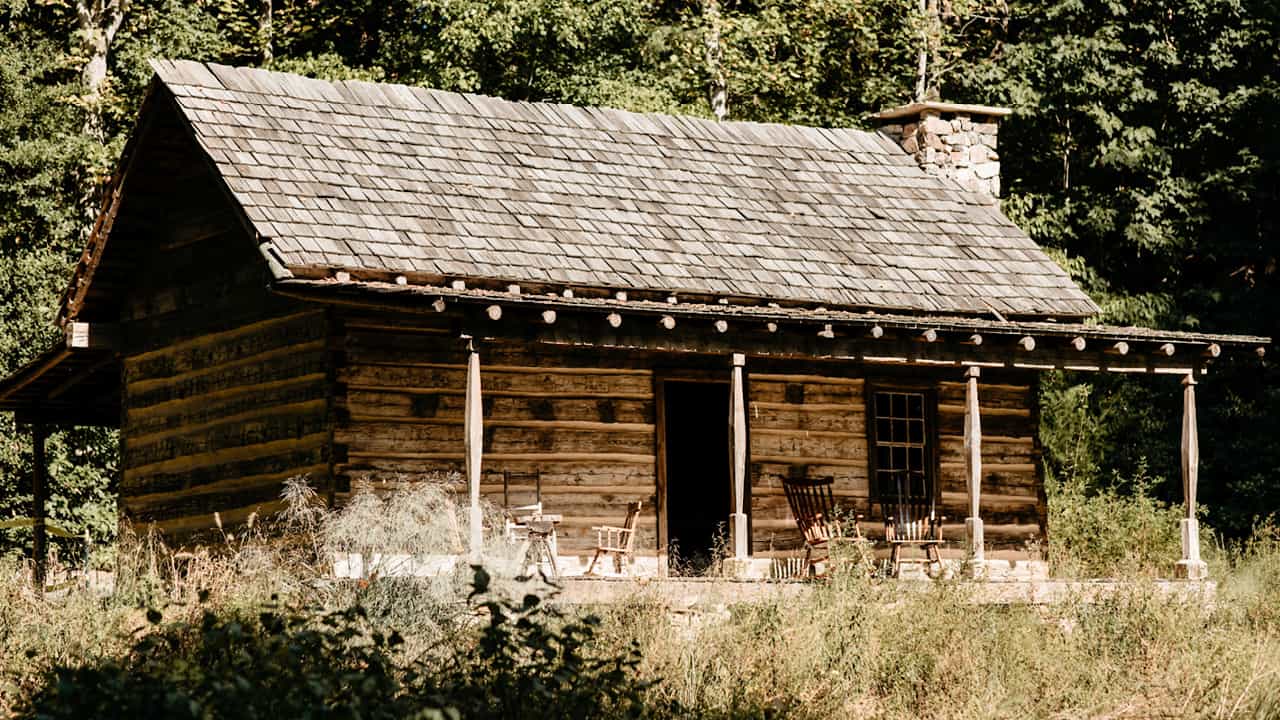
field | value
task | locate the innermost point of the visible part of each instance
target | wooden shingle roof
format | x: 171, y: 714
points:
x: 380, y: 177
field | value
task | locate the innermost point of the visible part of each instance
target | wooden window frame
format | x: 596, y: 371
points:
x: 932, y: 459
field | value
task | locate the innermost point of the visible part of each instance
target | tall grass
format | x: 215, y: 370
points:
x: 848, y: 647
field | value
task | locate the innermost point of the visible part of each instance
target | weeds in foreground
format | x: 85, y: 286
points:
x: 849, y: 647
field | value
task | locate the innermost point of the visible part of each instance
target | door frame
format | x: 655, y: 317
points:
x: 662, y: 376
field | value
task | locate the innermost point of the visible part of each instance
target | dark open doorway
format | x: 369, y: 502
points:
x: 697, y: 470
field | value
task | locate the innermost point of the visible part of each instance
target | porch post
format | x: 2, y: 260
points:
x: 473, y: 431
x: 738, y: 457
x: 1190, y: 567
x: 39, y: 491
x: 973, y: 468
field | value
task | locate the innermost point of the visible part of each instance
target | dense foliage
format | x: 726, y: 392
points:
x: 527, y: 661
x: 1143, y: 151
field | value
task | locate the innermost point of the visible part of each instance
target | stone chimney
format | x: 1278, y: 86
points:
x: 955, y: 141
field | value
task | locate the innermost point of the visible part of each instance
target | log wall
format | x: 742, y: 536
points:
x: 583, y: 420
x: 226, y: 390
x: 815, y: 425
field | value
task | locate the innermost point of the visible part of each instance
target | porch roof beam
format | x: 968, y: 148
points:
x: 780, y: 332
x: 593, y: 329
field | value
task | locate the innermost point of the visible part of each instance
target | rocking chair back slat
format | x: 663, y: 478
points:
x: 910, y: 508
x: 813, y: 505
x: 911, y: 518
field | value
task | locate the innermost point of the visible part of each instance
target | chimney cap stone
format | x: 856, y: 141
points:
x: 918, y: 108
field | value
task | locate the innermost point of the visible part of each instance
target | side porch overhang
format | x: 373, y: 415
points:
x: 76, y: 382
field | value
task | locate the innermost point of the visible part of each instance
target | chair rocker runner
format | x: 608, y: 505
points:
x: 617, y: 541
x: 911, y: 519
x: 814, y: 508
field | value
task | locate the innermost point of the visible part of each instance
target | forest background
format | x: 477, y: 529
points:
x: 1143, y: 152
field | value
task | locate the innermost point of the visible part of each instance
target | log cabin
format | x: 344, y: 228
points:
x: 374, y: 283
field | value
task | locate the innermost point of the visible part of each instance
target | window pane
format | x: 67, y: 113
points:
x: 917, y: 432
x: 883, y: 431
x: 916, y: 406
x: 899, y: 405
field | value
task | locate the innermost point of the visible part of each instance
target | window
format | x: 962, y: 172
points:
x: 903, y: 443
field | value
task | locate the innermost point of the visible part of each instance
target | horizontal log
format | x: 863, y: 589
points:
x: 545, y: 425
x: 290, y: 331
x: 263, y: 413
x: 214, y: 339
x: 368, y: 438
x: 220, y: 380
x: 824, y: 393
x: 140, y: 425
x: 953, y: 479
x: 225, y: 437
x: 808, y: 407
x: 553, y: 384
x: 847, y: 420
x: 316, y: 474
x: 290, y: 462
x: 140, y: 386
x: 767, y: 474
x: 170, y: 408
x: 803, y: 378
x: 809, y: 460
x: 550, y: 457
x: 642, y: 374
x: 225, y: 456
x: 833, y: 450
x: 995, y: 453
x: 368, y: 387
x: 571, y: 473
x: 986, y: 410
x: 232, y: 519
x: 431, y: 404
x: 189, y: 504
x: 1012, y: 468
x: 1008, y: 425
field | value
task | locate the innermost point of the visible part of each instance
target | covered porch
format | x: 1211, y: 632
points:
x: 738, y: 347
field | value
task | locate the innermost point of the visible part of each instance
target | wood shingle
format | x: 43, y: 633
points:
x: 356, y: 175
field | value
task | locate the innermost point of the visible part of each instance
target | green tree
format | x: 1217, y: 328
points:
x: 1143, y: 150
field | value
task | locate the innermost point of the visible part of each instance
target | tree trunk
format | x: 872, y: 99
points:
x: 266, y: 33
x: 719, y: 91
x: 99, y: 22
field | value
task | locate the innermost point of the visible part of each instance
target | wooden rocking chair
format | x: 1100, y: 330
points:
x: 814, y: 508
x: 911, y: 519
x: 617, y: 541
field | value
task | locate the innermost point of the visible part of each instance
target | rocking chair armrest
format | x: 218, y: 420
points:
x: 610, y: 528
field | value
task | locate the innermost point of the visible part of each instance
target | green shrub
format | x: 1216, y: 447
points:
x: 525, y: 661
x: 1104, y: 532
